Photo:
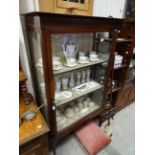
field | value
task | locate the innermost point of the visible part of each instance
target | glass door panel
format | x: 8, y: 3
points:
x: 37, y: 67
x: 79, y: 64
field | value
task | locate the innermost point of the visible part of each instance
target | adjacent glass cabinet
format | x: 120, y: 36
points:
x: 71, y: 58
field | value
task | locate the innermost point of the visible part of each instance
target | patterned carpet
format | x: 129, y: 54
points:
x: 123, y: 139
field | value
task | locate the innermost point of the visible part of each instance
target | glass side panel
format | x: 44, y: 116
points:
x: 79, y: 63
x: 38, y: 70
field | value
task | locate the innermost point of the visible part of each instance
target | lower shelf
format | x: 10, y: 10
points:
x: 83, y: 113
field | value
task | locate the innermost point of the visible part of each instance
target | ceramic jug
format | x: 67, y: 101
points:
x: 70, y: 51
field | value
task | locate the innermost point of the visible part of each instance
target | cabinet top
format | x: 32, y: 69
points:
x: 45, y: 14
x: 89, y: 23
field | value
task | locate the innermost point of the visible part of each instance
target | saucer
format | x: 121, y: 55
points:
x: 83, y: 62
x: 57, y: 68
x: 93, y: 59
x: 68, y: 65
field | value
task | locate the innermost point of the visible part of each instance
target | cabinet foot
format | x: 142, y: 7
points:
x: 54, y: 147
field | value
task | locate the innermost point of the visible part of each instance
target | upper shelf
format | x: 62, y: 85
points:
x: 118, y: 40
x: 67, y: 69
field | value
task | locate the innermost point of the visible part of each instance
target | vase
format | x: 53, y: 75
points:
x: 78, y: 78
x: 71, y: 82
x: 83, y: 79
x: 88, y: 75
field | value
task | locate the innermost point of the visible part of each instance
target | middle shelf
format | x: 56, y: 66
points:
x: 76, y: 92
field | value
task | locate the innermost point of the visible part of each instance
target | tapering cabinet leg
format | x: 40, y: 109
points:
x: 100, y: 121
x: 54, y: 147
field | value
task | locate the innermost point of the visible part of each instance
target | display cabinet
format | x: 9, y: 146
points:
x: 71, y: 59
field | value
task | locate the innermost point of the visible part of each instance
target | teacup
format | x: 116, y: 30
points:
x: 82, y: 58
x: 71, y: 61
x: 93, y: 56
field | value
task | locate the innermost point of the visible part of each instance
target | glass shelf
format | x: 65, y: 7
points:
x: 67, y: 69
x: 76, y: 95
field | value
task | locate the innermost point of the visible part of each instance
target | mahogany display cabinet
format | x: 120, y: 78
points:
x: 71, y: 58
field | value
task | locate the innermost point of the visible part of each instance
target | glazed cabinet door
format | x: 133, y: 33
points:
x: 79, y: 72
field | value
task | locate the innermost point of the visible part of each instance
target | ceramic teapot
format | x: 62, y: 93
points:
x: 70, y: 51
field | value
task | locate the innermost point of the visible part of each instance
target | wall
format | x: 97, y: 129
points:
x: 28, y: 6
x: 106, y: 8
x: 24, y: 7
x: 102, y: 8
x: 24, y: 60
